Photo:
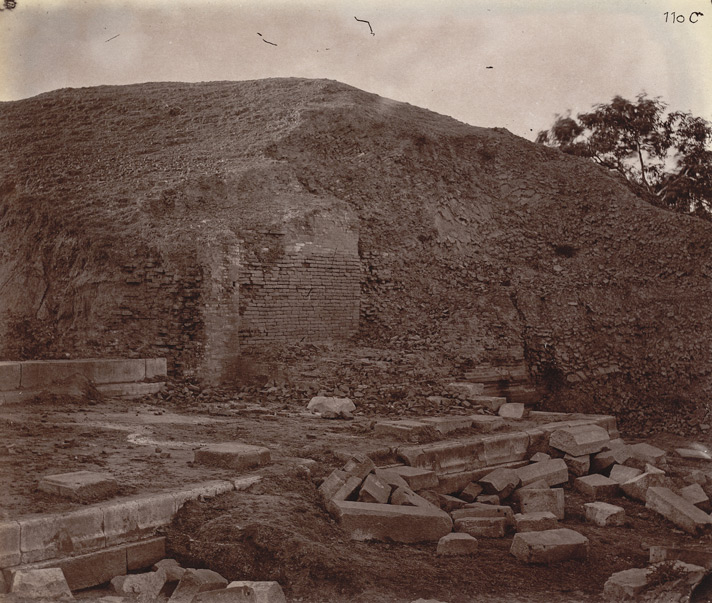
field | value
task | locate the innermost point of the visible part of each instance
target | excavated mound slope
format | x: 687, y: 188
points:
x: 474, y: 242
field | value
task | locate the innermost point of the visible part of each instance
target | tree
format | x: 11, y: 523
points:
x: 666, y: 157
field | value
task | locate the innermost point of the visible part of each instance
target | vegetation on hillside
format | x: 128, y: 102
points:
x: 666, y: 157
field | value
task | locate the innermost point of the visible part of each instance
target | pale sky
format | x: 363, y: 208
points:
x: 547, y: 56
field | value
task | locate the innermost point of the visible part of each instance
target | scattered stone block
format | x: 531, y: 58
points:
x: 457, y: 543
x: 405, y: 496
x: 146, y: 585
x: 374, y: 490
x: 533, y: 500
x: 92, y: 569
x: 143, y: 554
x: 465, y: 391
x: 80, y: 486
x: 535, y: 522
x: 484, y: 510
x: 643, y: 453
x: 485, y: 527
x: 196, y: 581
x: 580, y: 439
x: 694, y: 453
x: 397, y: 523
x: 553, y: 472
x: 539, y: 457
x: 264, y: 592
x: 232, y: 455
x: 432, y: 497
x: 701, y: 556
x: 603, y: 514
x: 597, y: 486
x: 359, y: 465
x: 173, y: 569
x: 328, y: 405
x: 333, y: 483
x: 487, y: 423
x: 390, y: 477
x: 403, y: 429
x: 512, y: 411
x: 488, y: 499
x: 471, y: 492
x: 501, y: 482
x: 616, y: 454
x: 537, y: 485
x: 697, y: 496
x: 676, y: 509
x: 417, y: 478
x: 445, y: 425
x: 637, y: 487
x: 549, y: 546
x: 450, y: 503
x: 623, y: 473
x: 44, y: 584
x: 578, y: 465
x: 626, y: 585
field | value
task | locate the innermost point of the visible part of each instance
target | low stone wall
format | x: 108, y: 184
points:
x: 122, y: 377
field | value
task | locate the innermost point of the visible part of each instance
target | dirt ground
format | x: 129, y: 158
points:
x: 279, y: 529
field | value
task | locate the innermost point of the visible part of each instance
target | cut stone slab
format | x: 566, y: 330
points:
x: 626, y: 585
x: 373, y: 490
x: 264, y: 592
x: 643, y: 453
x: 483, y: 510
x: 333, y: 483
x: 465, y: 391
x: 540, y: 456
x: 485, y: 527
x: 487, y: 423
x: 488, y: 499
x: 534, y: 500
x: 608, y: 458
x: 694, y: 453
x: 597, y: 486
x: 457, y: 543
x: 174, y: 570
x: 637, y: 488
x: 623, y: 474
x: 196, y: 581
x: 450, y: 503
x: 232, y: 455
x: 501, y: 482
x: 580, y: 439
x: 146, y: 585
x: 236, y: 594
x: 553, y: 472
x: 537, y: 485
x: 390, y: 477
x: 370, y: 521
x: 578, y: 465
x: 417, y: 478
x: 701, y: 556
x: 676, y: 509
x: 697, y: 496
x: 514, y: 410
x: 535, y: 522
x: 44, y: 584
x: 80, y: 486
x: 359, y: 465
x: 406, y: 497
x: 403, y: 429
x: 603, y: 514
x: 549, y: 546
x: 471, y: 492
x: 325, y: 404
x: 445, y: 425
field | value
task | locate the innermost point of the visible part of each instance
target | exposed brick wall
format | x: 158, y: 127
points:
x: 310, y: 293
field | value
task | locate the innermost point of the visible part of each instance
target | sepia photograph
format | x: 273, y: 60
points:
x: 369, y: 301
